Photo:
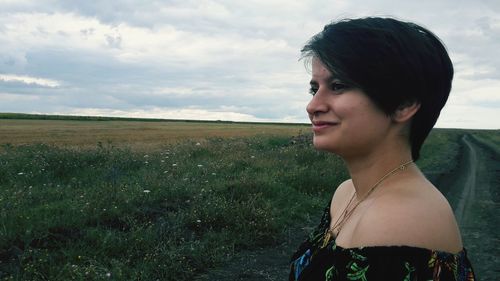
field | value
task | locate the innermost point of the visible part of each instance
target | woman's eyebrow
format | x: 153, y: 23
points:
x: 328, y: 79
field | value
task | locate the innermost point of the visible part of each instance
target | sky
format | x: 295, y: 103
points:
x: 232, y: 60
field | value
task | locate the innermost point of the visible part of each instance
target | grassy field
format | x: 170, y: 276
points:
x: 490, y: 139
x: 112, y: 208
x: 134, y: 134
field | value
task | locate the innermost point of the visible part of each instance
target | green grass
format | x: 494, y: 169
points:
x: 70, y: 214
x: 438, y: 155
x: 488, y: 138
x: 112, y: 213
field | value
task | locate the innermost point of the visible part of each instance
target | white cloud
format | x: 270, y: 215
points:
x: 30, y: 80
x: 165, y: 43
x: 476, y: 92
x: 29, y: 31
x: 214, y: 59
x: 468, y: 117
x: 167, y: 113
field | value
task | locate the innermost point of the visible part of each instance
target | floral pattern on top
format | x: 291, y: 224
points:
x: 311, y: 262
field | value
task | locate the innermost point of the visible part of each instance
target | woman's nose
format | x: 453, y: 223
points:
x: 316, y: 105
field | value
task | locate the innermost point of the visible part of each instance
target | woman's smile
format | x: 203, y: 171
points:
x: 319, y: 126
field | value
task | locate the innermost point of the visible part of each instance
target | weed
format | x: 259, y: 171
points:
x: 111, y: 212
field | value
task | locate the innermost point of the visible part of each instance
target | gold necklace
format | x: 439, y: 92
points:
x: 346, y: 213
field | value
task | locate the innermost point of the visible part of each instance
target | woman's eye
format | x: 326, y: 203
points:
x: 336, y: 86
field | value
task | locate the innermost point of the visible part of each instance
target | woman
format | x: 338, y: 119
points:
x: 378, y: 86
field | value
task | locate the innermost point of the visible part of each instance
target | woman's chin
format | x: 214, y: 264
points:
x: 321, y: 143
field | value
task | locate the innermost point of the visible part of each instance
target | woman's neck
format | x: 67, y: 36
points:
x: 367, y: 170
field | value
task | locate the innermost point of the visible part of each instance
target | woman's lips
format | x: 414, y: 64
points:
x: 321, y: 125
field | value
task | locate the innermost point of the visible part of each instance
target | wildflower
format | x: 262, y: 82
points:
x: 147, y: 191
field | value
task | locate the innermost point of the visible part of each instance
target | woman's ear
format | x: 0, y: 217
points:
x: 405, y: 112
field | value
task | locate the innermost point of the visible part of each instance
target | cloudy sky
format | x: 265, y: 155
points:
x: 216, y: 59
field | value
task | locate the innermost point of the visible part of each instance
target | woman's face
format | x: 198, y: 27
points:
x: 344, y: 120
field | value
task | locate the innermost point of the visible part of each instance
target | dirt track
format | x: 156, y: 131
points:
x: 475, y: 198
x: 473, y: 190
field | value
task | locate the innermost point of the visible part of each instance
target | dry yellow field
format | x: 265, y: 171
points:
x: 129, y: 133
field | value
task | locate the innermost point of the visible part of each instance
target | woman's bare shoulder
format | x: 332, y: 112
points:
x: 418, y: 216
x: 343, y: 191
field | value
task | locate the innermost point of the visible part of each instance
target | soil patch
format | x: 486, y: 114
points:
x: 473, y: 197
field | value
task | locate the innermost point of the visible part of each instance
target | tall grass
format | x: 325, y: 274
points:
x: 439, y: 154
x: 112, y: 213
x: 489, y: 139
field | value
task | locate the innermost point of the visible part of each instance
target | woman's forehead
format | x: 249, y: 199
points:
x: 320, y: 71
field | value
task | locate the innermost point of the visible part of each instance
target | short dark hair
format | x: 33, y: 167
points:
x: 395, y: 63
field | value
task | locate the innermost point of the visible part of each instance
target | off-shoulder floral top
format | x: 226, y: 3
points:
x: 311, y: 262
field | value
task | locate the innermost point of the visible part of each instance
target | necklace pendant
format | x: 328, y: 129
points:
x: 326, y: 239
